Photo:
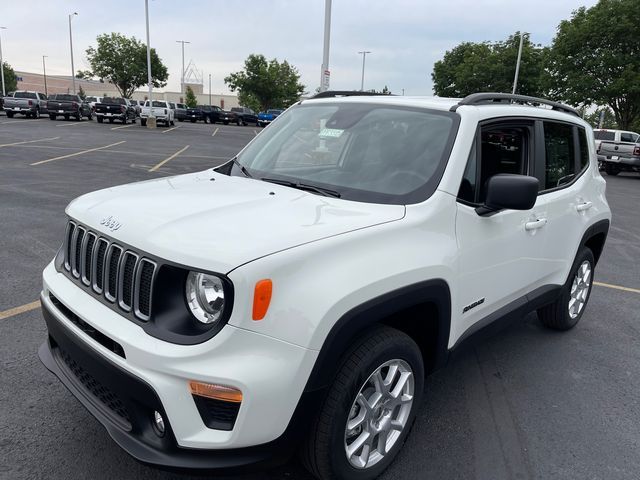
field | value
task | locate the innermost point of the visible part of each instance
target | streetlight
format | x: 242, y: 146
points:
x: 73, y: 71
x: 182, y: 76
x: 44, y: 70
x: 325, y: 74
x: 152, y: 123
x: 364, y: 56
x: 209, y: 89
x: 515, y: 79
x: 2, y: 62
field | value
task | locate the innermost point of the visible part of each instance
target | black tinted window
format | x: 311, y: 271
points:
x: 24, y: 95
x: 559, y: 154
x: 628, y: 137
x: 604, y: 135
x: 584, y: 148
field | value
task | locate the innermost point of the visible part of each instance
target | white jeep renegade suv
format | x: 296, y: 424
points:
x: 297, y: 295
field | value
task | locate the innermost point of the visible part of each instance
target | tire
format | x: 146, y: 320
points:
x: 181, y: 119
x: 52, y: 117
x: 66, y: 116
x: 143, y: 122
x: 611, y: 169
x: 172, y: 123
x: 557, y: 315
x: 111, y: 120
x: 193, y: 120
x: 324, y: 451
x: 100, y: 119
x: 226, y: 123
x: 36, y: 114
x: 9, y: 114
x: 89, y: 116
x: 238, y: 123
x: 124, y: 120
x: 78, y: 117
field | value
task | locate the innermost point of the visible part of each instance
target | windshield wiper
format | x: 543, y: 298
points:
x: 327, y: 192
x: 243, y: 169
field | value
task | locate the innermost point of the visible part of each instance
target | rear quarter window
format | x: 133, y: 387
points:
x: 604, y: 135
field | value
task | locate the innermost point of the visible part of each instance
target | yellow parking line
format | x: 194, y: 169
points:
x: 18, y: 310
x: 73, y: 123
x: 125, y: 126
x: 169, y: 129
x: 153, y: 169
x: 30, y: 141
x: 78, y: 153
x: 617, y: 287
x: 215, y: 131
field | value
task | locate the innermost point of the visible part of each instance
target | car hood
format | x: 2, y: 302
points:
x: 217, y: 222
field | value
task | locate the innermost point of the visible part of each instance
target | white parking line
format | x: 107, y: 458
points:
x: 77, y: 153
x: 22, y: 121
x: 215, y: 131
x: 72, y: 123
x: 30, y: 141
x: 169, y: 129
x: 255, y: 132
x: 125, y: 126
x: 153, y: 169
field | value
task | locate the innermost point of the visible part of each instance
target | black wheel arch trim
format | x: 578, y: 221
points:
x: 365, y: 315
x: 599, y: 228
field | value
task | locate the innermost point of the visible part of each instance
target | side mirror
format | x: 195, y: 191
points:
x: 508, y: 191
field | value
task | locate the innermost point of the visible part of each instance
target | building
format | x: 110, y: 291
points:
x: 64, y: 84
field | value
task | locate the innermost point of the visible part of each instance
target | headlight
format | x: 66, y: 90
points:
x: 205, y: 297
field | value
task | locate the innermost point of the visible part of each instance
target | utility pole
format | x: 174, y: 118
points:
x: 4, y: 93
x: 182, y: 76
x: 44, y: 70
x: 151, y: 124
x: 364, y: 56
x: 325, y: 74
x: 515, y: 79
x: 73, y: 71
x: 209, y: 89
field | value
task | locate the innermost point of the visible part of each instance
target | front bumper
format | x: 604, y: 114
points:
x: 155, y: 374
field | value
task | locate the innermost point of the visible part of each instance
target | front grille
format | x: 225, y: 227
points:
x: 120, y: 275
x: 102, y: 393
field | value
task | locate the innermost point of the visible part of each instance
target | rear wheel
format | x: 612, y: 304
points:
x: 567, y: 310
x: 124, y: 120
x: 66, y: 116
x: 89, y: 116
x: 9, y: 114
x: 611, y: 169
x: 181, y: 119
x: 100, y: 119
x: 52, y: 117
x: 193, y: 120
x: 143, y: 122
x: 78, y: 117
x: 369, y: 408
x: 111, y: 120
x: 37, y: 113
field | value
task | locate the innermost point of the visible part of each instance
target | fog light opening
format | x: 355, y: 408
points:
x: 158, y: 423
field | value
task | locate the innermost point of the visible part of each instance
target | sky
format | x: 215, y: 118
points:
x: 405, y: 37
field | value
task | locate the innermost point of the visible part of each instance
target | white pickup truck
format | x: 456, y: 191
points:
x: 159, y: 109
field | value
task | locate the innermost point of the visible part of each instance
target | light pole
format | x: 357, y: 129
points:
x: 182, y: 76
x: 515, y: 79
x: 73, y: 71
x: 325, y: 74
x: 44, y: 70
x: 2, y: 62
x: 364, y: 56
x: 209, y: 89
x: 152, y: 124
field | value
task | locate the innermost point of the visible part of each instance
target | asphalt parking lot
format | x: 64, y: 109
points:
x: 526, y: 404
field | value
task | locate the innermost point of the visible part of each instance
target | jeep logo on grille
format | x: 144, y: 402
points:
x: 111, y: 223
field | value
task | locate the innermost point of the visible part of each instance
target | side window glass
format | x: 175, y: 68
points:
x: 628, y: 137
x: 584, y: 148
x: 559, y: 154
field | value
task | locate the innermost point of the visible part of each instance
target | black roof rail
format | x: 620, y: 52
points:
x: 347, y: 93
x: 483, y: 98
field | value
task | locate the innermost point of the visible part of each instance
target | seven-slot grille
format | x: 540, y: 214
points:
x: 121, y: 275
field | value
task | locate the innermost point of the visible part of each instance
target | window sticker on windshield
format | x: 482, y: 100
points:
x: 330, y: 132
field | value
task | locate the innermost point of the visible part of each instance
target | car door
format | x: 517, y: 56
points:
x: 498, y: 255
x: 565, y: 188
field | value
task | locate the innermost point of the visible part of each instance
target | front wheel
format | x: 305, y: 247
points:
x: 369, y: 409
x: 566, y: 311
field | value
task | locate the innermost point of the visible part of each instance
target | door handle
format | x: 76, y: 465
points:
x: 541, y: 222
x: 584, y: 206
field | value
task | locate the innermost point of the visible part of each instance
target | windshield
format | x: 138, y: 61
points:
x: 112, y: 100
x: 365, y: 152
x: 91, y: 99
x: 64, y: 97
x: 24, y: 95
x: 275, y: 112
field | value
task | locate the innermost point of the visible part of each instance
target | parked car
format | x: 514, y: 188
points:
x: 115, y: 108
x: 195, y: 114
x: 246, y: 115
x: 160, y: 109
x: 180, y: 112
x: 216, y: 114
x: 137, y: 105
x: 265, y: 118
x: 615, y: 136
x: 66, y: 105
x: 229, y: 317
x: 92, y: 101
x: 27, y: 103
x: 620, y: 156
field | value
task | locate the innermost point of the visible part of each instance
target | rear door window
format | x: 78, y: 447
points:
x: 628, y: 137
x: 560, y: 154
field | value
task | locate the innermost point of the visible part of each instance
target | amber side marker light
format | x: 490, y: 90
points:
x: 262, y: 298
x: 217, y: 392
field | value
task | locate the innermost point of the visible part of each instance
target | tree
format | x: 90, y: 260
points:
x: 263, y: 84
x: 489, y: 67
x: 84, y: 74
x: 81, y: 93
x: 190, y: 98
x: 593, y: 118
x: 10, y: 79
x: 123, y: 62
x: 594, y: 59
